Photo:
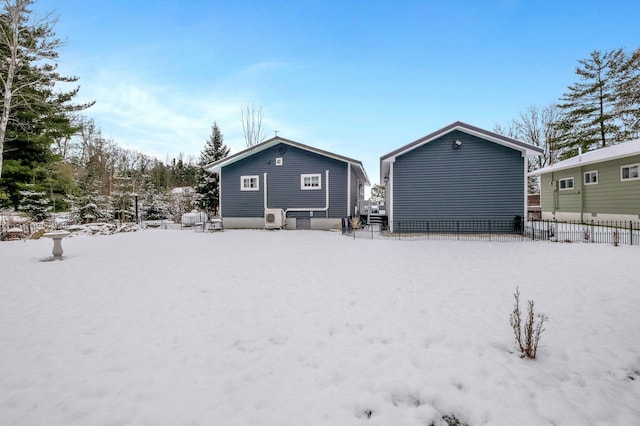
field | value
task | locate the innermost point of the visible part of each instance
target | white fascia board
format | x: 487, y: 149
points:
x: 611, y: 153
x: 526, y: 152
x: 240, y: 156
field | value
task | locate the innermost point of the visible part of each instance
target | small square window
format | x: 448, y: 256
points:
x: 566, y: 184
x: 279, y: 161
x: 631, y: 172
x: 591, y: 178
x: 310, y: 181
x: 249, y: 183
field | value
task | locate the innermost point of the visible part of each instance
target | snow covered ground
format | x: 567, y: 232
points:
x: 163, y: 327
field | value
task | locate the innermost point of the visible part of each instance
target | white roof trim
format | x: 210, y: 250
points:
x: 614, y: 152
x: 469, y: 131
x: 527, y: 150
x: 218, y: 165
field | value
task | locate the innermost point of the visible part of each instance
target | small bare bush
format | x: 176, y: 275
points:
x: 528, y: 334
x: 355, y: 224
x: 615, y: 238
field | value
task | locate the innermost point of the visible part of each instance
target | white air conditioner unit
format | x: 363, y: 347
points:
x: 273, y: 218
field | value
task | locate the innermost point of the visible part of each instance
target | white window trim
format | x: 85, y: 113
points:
x: 629, y: 166
x: 311, y: 188
x: 589, y: 173
x: 244, y: 188
x: 573, y: 184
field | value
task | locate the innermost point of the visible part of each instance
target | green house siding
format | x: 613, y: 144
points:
x: 610, y: 195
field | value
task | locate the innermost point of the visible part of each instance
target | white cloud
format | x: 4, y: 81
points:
x: 165, y: 120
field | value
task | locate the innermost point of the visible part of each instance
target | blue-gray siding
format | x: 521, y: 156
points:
x: 283, y: 190
x: 480, y: 180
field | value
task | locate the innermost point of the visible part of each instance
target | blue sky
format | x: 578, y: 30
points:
x: 358, y: 78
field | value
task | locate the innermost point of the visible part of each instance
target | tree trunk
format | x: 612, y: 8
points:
x: 12, y: 42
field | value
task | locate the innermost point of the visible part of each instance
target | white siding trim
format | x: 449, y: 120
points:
x: 390, y: 196
x: 349, y: 189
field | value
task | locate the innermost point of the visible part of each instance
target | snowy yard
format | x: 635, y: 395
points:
x: 164, y: 327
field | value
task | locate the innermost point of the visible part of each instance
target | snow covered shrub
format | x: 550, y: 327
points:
x: 527, y: 335
x: 450, y: 420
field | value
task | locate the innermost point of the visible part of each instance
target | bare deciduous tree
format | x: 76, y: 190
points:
x: 252, y: 130
x: 538, y: 126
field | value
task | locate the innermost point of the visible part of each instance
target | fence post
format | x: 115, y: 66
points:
x: 458, y: 229
x: 631, y: 232
x: 592, y: 230
x: 489, y: 223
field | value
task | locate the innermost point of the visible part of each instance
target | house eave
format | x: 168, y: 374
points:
x: 216, y: 166
x: 589, y: 158
x: 526, y: 149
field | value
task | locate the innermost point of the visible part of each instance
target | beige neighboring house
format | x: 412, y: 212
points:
x: 603, y: 184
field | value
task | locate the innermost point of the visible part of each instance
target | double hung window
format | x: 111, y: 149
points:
x: 591, y: 178
x: 311, y: 181
x: 565, y: 184
x: 630, y: 172
x: 249, y: 183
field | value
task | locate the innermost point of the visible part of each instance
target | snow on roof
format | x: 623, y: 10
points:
x: 625, y: 149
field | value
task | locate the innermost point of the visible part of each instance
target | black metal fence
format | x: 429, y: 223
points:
x: 454, y: 229
x: 611, y: 232
x: 602, y: 231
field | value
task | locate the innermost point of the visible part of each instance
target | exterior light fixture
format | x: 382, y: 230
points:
x: 457, y: 144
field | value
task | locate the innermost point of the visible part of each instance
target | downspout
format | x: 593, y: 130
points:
x: 526, y: 186
x: 264, y: 185
x: 390, y: 195
x: 554, y: 186
x: 220, y: 193
x: 581, y: 180
x: 348, y: 189
x: 318, y: 209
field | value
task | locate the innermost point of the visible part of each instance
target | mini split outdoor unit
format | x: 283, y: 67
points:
x: 273, y: 218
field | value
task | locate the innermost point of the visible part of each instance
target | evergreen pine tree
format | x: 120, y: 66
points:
x: 589, y: 117
x: 122, y: 199
x: 628, y: 104
x: 88, y: 210
x: 154, y: 204
x: 35, y: 204
x: 208, y: 195
x: 30, y: 81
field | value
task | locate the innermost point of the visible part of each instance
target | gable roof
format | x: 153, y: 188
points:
x: 527, y: 149
x: 217, y: 165
x: 622, y: 150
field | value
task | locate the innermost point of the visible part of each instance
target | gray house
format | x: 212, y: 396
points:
x: 459, y: 178
x: 284, y: 184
